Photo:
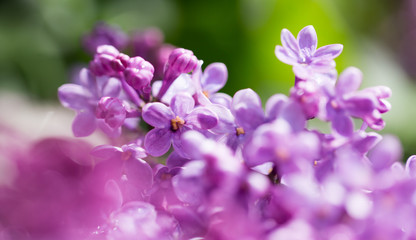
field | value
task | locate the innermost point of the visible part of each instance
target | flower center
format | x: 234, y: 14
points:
x: 239, y: 131
x: 177, y: 123
x: 334, y: 104
x: 206, y: 94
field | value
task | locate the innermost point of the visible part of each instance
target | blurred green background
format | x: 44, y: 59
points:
x: 40, y: 42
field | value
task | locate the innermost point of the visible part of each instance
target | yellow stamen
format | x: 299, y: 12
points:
x: 177, y: 123
x: 239, y: 131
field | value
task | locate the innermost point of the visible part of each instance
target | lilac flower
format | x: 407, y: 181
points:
x: 123, y: 170
x: 114, y: 111
x: 278, y: 143
x: 180, y: 61
x: 84, y: 98
x: 171, y: 122
x: 302, y: 54
x: 208, y: 83
x: 347, y: 102
x: 103, y: 34
x: 245, y: 115
x: 55, y: 191
x: 108, y: 61
x: 149, y: 45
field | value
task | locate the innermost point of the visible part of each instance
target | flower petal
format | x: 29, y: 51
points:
x: 247, y: 109
x: 106, y: 152
x: 74, y: 96
x: 222, y: 99
x: 111, y: 88
x: 214, y: 77
x: 157, y: 141
x: 274, y: 105
x: 284, y: 56
x: 182, y: 104
x: 307, y: 39
x: 329, y: 51
x: 343, y: 124
x: 202, y: 118
x: 109, y: 131
x: 84, y: 124
x: 289, y: 43
x: 348, y: 81
x: 157, y: 114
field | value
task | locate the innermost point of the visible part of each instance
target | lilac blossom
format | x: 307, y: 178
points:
x: 303, y: 55
x: 236, y: 171
x: 149, y: 45
x: 209, y: 82
x: 171, y: 122
x: 180, y: 61
x: 84, y: 99
x: 103, y: 34
x: 347, y: 102
x: 245, y: 115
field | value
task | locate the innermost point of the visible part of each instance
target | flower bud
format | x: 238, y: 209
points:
x: 181, y: 61
x: 139, y: 73
x: 108, y: 61
x: 112, y: 111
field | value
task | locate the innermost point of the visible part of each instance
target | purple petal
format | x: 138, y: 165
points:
x: 329, y: 51
x: 283, y: 55
x: 111, y: 88
x: 175, y: 160
x: 112, y: 189
x: 157, y: 114
x: 307, y: 39
x: 226, y: 121
x: 222, y: 99
x: 87, y: 79
x: 202, y: 118
x: 247, y: 109
x: 322, y: 65
x: 366, y: 141
x: 157, y: 141
x: 293, y: 114
x: 360, y: 105
x: 109, y: 131
x: 214, y: 77
x: 106, y: 152
x: 411, y: 166
x: 349, y: 81
x: 343, y: 124
x: 139, y: 173
x: 84, y: 124
x: 385, y: 153
x: 74, y: 96
x: 180, y: 146
x: 302, y: 71
x: 182, y: 104
x: 289, y: 43
x: 274, y: 105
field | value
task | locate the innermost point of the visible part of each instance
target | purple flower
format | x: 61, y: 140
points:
x: 278, y: 143
x: 209, y: 82
x: 302, y: 54
x: 108, y: 61
x: 171, y: 122
x: 84, y: 98
x: 347, y: 102
x: 54, y: 192
x: 103, y: 34
x: 180, y: 61
x: 123, y: 170
x: 149, y: 45
x: 245, y: 115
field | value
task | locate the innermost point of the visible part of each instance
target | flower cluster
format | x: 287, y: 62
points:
x: 206, y: 165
